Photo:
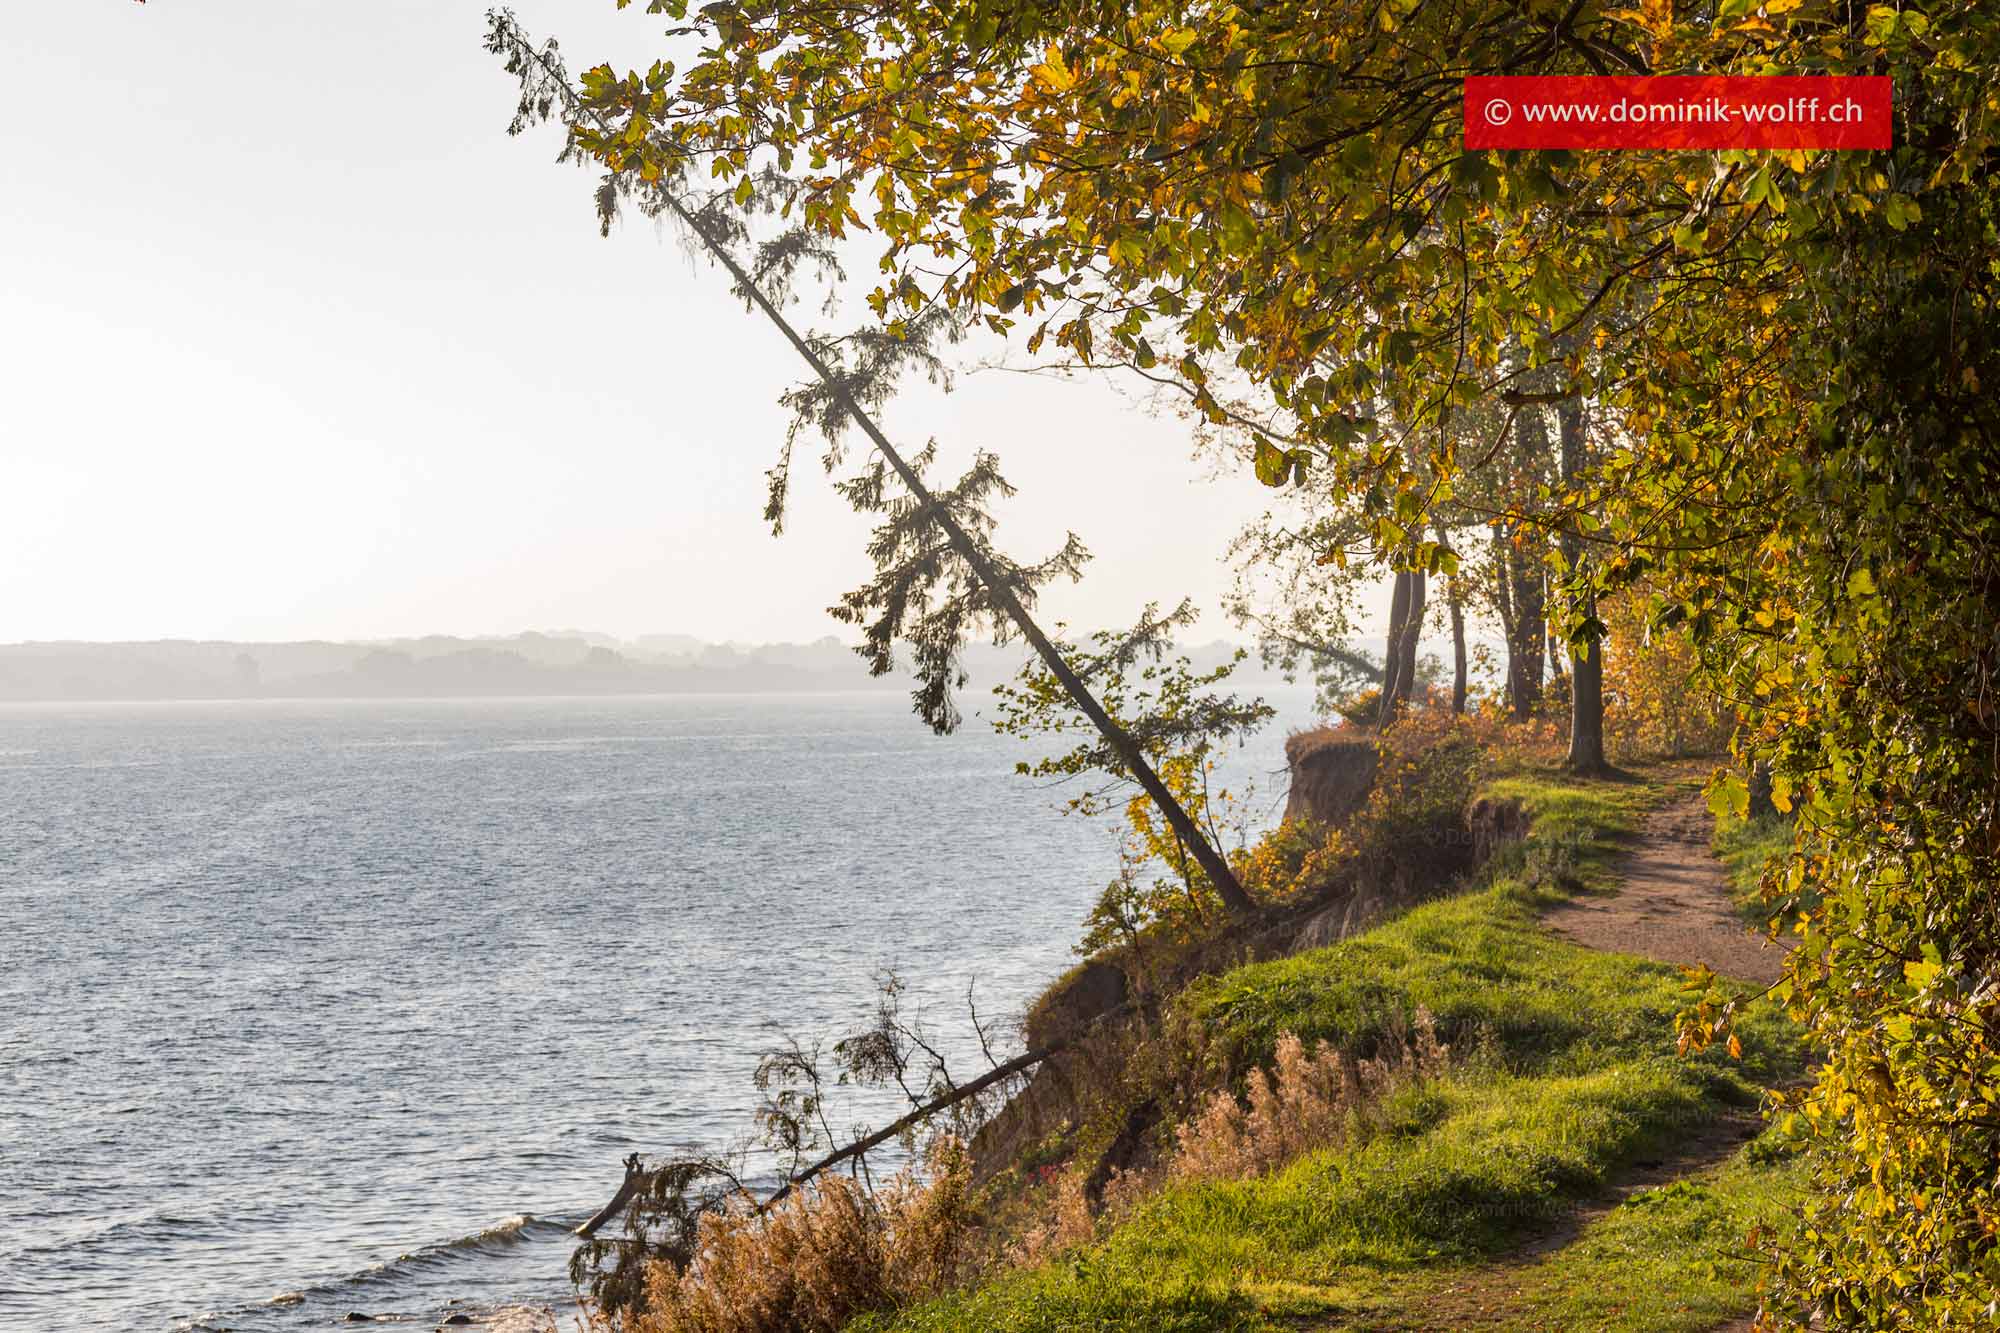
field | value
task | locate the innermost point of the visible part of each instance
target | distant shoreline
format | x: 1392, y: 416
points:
x: 566, y: 664
x: 463, y: 697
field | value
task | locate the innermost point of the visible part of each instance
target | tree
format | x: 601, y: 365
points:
x: 1522, y: 571
x: 1406, y: 619
x: 928, y: 540
x: 1455, y: 606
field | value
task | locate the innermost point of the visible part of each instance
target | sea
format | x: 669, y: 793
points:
x: 311, y: 1009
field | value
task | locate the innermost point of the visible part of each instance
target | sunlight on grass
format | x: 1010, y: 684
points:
x: 1568, y: 1075
x: 1666, y: 1260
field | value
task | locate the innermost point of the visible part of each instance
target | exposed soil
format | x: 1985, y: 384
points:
x: 1672, y: 904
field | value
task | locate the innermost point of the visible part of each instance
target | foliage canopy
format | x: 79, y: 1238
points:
x: 1796, y: 352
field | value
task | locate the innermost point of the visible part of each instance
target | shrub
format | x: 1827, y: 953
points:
x: 1653, y: 702
x: 1410, y: 828
x: 1294, y: 862
x: 1066, y: 1224
x: 825, y: 1254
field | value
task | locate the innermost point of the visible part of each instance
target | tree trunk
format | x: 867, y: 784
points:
x: 999, y: 1073
x: 508, y: 36
x: 1454, y: 602
x: 1458, y: 681
x: 1392, y: 651
x: 1586, y: 689
x: 1586, y: 712
x: 635, y: 1177
x: 1527, y: 645
x: 1503, y: 601
x: 1413, y: 631
x: 1527, y: 649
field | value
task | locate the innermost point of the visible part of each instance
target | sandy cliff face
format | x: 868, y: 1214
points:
x: 1331, y: 776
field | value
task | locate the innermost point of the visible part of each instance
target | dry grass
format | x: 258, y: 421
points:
x: 1307, y: 1101
x: 825, y: 1254
x: 1067, y: 1224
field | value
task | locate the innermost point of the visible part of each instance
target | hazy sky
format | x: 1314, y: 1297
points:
x: 299, y: 344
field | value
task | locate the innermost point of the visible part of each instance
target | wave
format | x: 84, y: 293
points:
x: 355, y: 1288
x: 502, y: 1235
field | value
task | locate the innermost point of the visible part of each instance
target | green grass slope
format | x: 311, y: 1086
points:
x: 1566, y: 1074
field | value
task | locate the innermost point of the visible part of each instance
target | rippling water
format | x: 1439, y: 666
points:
x: 309, y: 1008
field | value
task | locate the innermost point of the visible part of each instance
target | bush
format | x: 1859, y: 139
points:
x: 1409, y: 830
x: 1653, y: 703
x: 825, y: 1254
x: 1295, y: 862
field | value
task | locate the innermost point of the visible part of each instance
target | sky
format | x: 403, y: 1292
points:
x: 299, y: 344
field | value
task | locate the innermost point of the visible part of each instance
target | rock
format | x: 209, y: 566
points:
x: 459, y: 1319
x: 356, y: 1317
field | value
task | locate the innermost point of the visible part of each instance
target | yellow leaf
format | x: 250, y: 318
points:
x: 1054, y: 73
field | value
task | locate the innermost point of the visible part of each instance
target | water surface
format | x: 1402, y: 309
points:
x: 318, y: 1007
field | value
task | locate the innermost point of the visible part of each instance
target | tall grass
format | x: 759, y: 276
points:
x: 1305, y: 1101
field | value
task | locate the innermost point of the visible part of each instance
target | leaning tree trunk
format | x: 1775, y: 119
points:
x: 1586, y: 689
x: 506, y: 36
x: 1211, y: 861
x: 1003, y: 593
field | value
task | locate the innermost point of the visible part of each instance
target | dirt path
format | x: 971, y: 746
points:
x: 1672, y: 904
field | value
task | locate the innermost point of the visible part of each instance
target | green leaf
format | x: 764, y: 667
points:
x: 1239, y: 230
x: 1728, y: 796
x: 1272, y: 464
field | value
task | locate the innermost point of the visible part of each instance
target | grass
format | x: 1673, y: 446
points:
x: 1746, y: 847
x: 1570, y: 1075
x: 1664, y: 1261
